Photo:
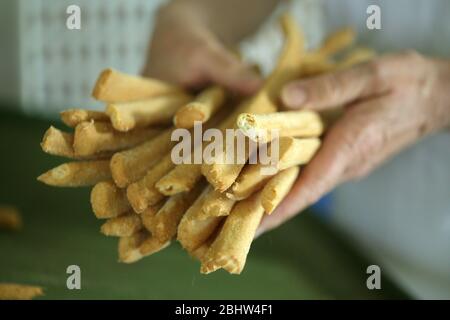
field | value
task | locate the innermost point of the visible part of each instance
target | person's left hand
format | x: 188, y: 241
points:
x: 389, y: 104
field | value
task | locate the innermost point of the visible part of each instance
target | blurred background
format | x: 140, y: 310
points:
x: 46, y: 68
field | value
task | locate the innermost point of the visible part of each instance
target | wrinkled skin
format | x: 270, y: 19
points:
x: 389, y: 104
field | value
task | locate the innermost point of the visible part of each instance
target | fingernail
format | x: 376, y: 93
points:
x: 293, y: 96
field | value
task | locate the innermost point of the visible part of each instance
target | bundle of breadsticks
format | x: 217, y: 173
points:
x: 213, y: 209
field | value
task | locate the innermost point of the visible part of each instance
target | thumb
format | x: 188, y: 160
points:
x: 332, y: 89
x: 224, y: 68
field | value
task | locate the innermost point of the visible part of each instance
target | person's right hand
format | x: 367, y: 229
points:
x: 184, y: 51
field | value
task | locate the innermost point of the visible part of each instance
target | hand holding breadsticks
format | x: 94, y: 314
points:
x: 143, y: 196
x: 388, y: 106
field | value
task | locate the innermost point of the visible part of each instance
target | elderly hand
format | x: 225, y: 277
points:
x: 185, y: 51
x: 389, y: 104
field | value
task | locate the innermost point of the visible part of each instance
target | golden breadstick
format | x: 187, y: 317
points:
x: 60, y: 143
x: 10, y: 218
x: 216, y: 204
x: 337, y: 41
x: 108, y: 201
x: 123, y: 226
x: 290, y: 60
x: 115, y: 86
x: 148, y: 214
x: 165, y: 223
x: 200, y: 252
x: 201, y: 109
x: 129, y: 247
x: 182, y: 178
x: 294, y: 151
x: 152, y: 245
x: 193, y: 232
x: 253, y: 177
x: 14, y: 291
x: 143, y: 193
x: 249, y: 181
x: 77, y: 174
x: 277, y: 188
x: 156, y: 111
x: 222, y: 176
x: 229, y: 250
x: 73, y: 117
x: 304, y: 123
x: 356, y: 56
x: 131, y: 165
x: 95, y: 137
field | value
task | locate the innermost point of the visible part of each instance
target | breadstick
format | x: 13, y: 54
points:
x: 216, y: 204
x: 337, y: 41
x: 108, y: 201
x: 277, y: 188
x: 148, y: 214
x: 229, y: 250
x: 252, y: 178
x: 156, y: 111
x: 131, y: 165
x: 58, y: 143
x: 181, y: 178
x: 184, y: 176
x: 143, y: 193
x: 193, y: 232
x: 115, y: 86
x: 73, y: 117
x: 166, y: 221
x: 129, y: 247
x: 123, y: 226
x: 304, y: 123
x: 14, y: 291
x: 294, y: 152
x: 200, y: 252
x: 222, y: 176
x: 95, y: 137
x: 249, y: 181
x: 201, y: 109
x: 358, y: 55
x: 152, y: 245
x: 77, y: 174
x: 290, y: 60
x: 10, y: 218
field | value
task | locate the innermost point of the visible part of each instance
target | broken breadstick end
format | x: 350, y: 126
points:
x: 108, y: 201
x: 129, y: 247
x: 73, y: 117
x: 77, y: 174
x: 201, y: 109
x: 123, y: 226
x: 14, y: 291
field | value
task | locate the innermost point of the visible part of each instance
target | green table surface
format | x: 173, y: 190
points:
x: 303, y: 259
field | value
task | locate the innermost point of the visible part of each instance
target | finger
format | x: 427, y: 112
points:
x: 316, y: 179
x: 351, y: 142
x: 224, y: 68
x: 336, y: 88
